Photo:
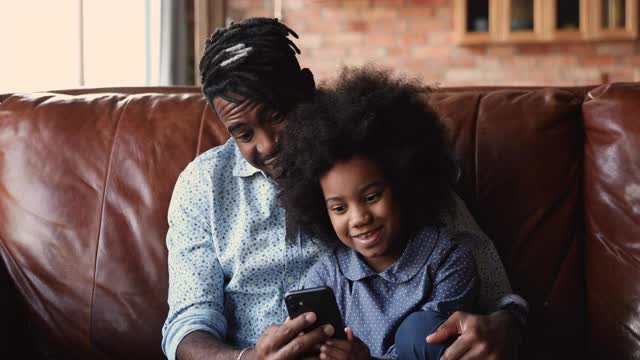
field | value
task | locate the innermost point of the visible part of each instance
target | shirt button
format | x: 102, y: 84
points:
x: 290, y: 279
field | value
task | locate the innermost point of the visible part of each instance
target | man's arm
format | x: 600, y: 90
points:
x: 482, y: 336
x: 195, y: 325
x: 464, y: 230
x: 196, y: 280
x: 494, y: 336
x: 202, y: 345
x: 278, y: 342
x: 495, y: 290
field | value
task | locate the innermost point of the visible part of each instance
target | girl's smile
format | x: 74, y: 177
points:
x: 363, y: 211
x: 369, y: 238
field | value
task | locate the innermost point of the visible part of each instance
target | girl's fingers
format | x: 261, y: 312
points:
x: 349, y: 332
x: 335, y: 349
x: 343, y: 345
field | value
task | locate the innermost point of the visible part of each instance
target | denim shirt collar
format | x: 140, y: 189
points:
x: 354, y: 268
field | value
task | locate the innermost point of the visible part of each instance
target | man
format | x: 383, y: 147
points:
x: 232, y: 257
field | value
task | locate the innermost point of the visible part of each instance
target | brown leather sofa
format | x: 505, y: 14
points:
x: 552, y: 175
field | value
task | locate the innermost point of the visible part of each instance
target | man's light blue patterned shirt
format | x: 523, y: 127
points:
x: 230, y: 284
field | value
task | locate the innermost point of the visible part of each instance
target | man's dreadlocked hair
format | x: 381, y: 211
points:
x: 253, y: 59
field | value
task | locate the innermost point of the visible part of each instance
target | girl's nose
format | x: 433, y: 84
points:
x: 361, y: 216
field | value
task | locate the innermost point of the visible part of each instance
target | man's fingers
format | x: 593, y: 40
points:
x: 305, y: 343
x: 477, y: 353
x: 291, y: 329
x: 271, y: 329
x: 458, y: 349
x: 451, y: 327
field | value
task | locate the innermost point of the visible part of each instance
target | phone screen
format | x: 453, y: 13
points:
x: 322, y: 302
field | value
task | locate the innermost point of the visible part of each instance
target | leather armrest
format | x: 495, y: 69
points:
x: 14, y: 334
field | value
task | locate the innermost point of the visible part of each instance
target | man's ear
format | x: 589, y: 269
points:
x: 307, y: 82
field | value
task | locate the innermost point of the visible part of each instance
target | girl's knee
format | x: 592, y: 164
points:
x: 412, y: 333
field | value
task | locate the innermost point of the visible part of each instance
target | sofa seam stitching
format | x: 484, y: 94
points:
x: 476, y: 145
x: 201, y: 128
x: 102, y: 205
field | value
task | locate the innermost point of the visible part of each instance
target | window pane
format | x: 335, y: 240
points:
x: 71, y: 43
x: 568, y: 14
x: 40, y: 48
x: 613, y: 14
x: 478, y: 15
x: 522, y: 15
x: 114, y: 43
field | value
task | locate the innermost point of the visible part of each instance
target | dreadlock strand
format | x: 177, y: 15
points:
x: 250, y: 59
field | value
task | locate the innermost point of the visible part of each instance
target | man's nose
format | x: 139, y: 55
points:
x: 267, y: 143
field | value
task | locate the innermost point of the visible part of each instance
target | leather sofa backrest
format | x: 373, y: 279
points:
x: 86, y: 178
x: 612, y: 197
x: 520, y: 151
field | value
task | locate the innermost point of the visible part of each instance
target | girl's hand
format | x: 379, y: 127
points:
x: 352, y: 348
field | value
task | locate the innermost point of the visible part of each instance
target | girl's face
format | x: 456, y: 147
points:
x: 363, y: 212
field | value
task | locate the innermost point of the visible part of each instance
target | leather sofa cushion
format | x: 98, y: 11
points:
x: 85, y: 183
x: 612, y: 184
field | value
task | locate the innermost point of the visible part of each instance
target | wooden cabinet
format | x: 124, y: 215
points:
x: 477, y: 22
x: 568, y: 20
x: 614, y: 19
x: 522, y: 20
x: 530, y: 21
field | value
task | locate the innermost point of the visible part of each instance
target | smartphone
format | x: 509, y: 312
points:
x: 320, y: 301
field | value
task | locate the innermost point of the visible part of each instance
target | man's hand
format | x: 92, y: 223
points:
x: 350, y: 349
x: 494, y: 337
x: 286, y: 341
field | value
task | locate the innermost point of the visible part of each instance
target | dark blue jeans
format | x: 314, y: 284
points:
x: 411, y: 335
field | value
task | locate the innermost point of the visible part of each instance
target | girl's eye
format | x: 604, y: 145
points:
x: 338, y: 209
x: 372, y: 197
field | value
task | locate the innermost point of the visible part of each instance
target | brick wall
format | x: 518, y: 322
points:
x: 416, y: 37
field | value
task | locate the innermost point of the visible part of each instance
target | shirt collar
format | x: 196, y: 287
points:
x: 406, y: 267
x: 241, y: 167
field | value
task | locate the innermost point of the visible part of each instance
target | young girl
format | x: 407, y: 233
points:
x: 365, y: 164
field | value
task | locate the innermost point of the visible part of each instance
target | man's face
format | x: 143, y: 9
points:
x: 255, y: 131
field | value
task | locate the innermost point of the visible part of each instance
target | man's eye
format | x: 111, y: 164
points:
x: 245, y: 136
x: 277, y: 118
